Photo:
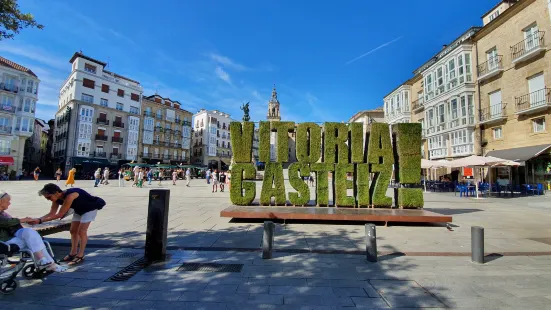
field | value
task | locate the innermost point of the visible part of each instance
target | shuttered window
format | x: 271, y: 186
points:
x: 88, y: 83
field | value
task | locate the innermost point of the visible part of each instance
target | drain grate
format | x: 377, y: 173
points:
x: 127, y: 255
x: 210, y: 267
x: 129, y: 271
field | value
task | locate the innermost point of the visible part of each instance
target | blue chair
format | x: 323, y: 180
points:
x: 529, y: 189
x: 540, y: 190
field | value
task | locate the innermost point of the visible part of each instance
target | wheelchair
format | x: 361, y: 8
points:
x: 14, y: 260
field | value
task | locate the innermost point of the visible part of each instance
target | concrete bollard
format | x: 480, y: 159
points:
x: 477, y: 244
x: 371, y: 243
x: 268, y: 240
x: 157, y: 225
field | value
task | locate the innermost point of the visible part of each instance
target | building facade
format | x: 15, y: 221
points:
x: 397, y: 105
x: 35, y: 147
x: 98, y: 120
x: 367, y: 117
x: 513, y: 77
x: 212, y: 139
x: 18, y: 96
x: 165, y: 131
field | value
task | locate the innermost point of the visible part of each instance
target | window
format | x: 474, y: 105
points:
x: 103, y: 102
x: 439, y: 77
x: 492, y: 58
x: 134, y: 110
x: 494, y: 15
x: 451, y: 69
x: 105, y: 88
x: 441, y: 118
x: 468, y: 67
x: 531, y: 36
x: 86, y: 114
x: 85, y: 131
x: 83, y: 148
x: 120, y: 106
x: 134, y: 97
x: 460, y: 69
x: 27, y: 107
x: 536, y: 86
x: 495, y: 104
x: 25, y: 124
x: 497, y: 133
x: 89, y: 68
x: 120, y: 93
x: 539, y: 124
x: 30, y: 86
x: 88, y: 83
x: 87, y: 98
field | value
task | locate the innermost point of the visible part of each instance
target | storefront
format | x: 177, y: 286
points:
x: 5, y: 162
x: 86, y: 166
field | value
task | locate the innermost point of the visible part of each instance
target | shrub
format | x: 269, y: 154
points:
x: 335, y: 139
x: 381, y: 159
x: 342, y: 184
x: 308, y: 143
x: 407, y: 143
x: 322, y: 182
x: 362, y: 176
x: 242, y: 141
x: 409, y: 198
x: 273, y: 185
x: 356, y: 145
x: 296, y: 172
x: 264, y: 143
x: 241, y: 172
x: 282, y: 145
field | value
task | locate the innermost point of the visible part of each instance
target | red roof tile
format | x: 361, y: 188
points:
x: 10, y: 64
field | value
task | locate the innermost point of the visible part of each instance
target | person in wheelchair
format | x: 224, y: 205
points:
x: 12, y: 233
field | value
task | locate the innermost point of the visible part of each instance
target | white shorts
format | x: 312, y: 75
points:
x: 86, y: 217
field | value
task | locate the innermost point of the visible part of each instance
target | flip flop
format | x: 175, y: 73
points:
x: 77, y: 261
x: 68, y: 258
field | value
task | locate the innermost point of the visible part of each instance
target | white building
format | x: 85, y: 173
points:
x: 397, y: 105
x: 98, y: 116
x: 211, y: 138
x: 18, y: 96
x: 448, y: 99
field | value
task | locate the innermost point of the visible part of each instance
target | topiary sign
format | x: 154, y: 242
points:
x: 358, y: 160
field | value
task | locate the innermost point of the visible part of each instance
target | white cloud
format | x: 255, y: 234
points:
x: 227, y: 62
x: 34, y: 53
x: 223, y: 75
x: 373, y: 50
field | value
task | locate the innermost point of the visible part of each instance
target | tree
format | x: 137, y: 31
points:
x: 12, y: 20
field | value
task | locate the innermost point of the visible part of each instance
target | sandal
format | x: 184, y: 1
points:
x: 68, y: 258
x: 77, y: 260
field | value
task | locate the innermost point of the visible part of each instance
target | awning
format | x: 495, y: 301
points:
x: 92, y: 161
x: 520, y: 153
x: 6, y: 160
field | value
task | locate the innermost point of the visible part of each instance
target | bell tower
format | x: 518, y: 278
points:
x: 273, y: 107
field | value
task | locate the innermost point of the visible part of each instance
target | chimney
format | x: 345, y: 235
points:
x: 444, y: 46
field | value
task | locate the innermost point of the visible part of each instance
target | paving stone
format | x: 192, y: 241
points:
x: 163, y: 295
x: 426, y: 301
x: 84, y: 283
x: 371, y: 303
x: 316, y: 300
x: 349, y: 292
x: 133, y: 304
x: 303, y: 290
x: 253, y: 289
x: 216, y: 298
x: 265, y: 299
x: 217, y: 289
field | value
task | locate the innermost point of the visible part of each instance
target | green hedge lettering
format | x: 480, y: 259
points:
x: 362, y: 171
x: 296, y: 172
x: 282, y: 129
x: 308, y: 143
x: 242, y: 172
x: 273, y: 185
x: 356, y: 136
x: 381, y: 159
x: 242, y: 141
x: 322, y: 182
x: 342, y: 185
x: 409, y: 198
x: 264, y: 143
x: 336, y: 136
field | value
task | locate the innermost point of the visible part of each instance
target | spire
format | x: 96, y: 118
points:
x: 274, y: 95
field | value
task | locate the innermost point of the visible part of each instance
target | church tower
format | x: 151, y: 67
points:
x: 273, y: 107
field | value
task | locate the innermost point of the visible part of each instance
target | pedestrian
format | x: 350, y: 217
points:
x: 121, y: 179
x: 36, y: 173
x: 106, y: 176
x: 160, y: 177
x: 97, y: 176
x: 215, y: 181
x: 136, y: 171
x: 71, y: 177
x: 174, y: 176
x: 222, y: 180
x: 140, y: 178
x: 188, y: 177
x: 58, y: 174
x: 208, y: 176
x: 311, y: 180
x: 149, y: 176
x: 85, y: 207
x: 229, y: 180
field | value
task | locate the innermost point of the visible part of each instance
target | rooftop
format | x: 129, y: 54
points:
x: 10, y: 64
x: 376, y: 110
x: 81, y: 55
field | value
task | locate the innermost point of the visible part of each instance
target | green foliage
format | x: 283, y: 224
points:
x: 296, y: 172
x: 308, y: 143
x: 381, y: 159
x: 356, y: 132
x: 241, y: 172
x: 264, y: 143
x: 283, y: 129
x: 362, y: 176
x: 378, y: 189
x: 242, y: 141
x: 409, y: 198
x: 322, y: 182
x: 273, y: 185
x: 335, y: 138
x: 12, y: 20
x: 343, y: 184
x: 407, y: 139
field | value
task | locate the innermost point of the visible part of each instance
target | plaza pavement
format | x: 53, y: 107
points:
x: 294, y: 280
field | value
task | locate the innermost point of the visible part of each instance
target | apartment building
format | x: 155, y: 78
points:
x: 35, y: 147
x: 514, y: 89
x: 98, y: 120
x: 397, y: 105
x: 166, y: 131
x: 18, y: 96
x: 212, y: 139
x: 367, y: 117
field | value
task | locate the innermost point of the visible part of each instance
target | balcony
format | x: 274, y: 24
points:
x: 8, y: 109
x: 9, y: 88
x: 148, y: 113
x: 186, y: 123
x: 167, y: 144
x: 5, y: 130
x: 219, y: 154
x: 118, y: 124
x: 417, y: 105
x: 115, y: 156
x: 177, y: 121
x: 170, y: 119
x: 101, y: 138
x: 528, y: 48
x: 534, y: 102
x: 156, y: 142
x: 167, y: 130
x: 158, y: 129
x: 490, y: 68
x: 116, y: 139
x: 159, y: 116
x: 102, y: 121
x: 156, y: 156
x: 165, y: 156
x: 99, y: 154
x: 493, y: 113
x: 145, y: 155
x: 177, y: 132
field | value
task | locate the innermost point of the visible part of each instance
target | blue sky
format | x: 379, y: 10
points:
x: 219, y: 54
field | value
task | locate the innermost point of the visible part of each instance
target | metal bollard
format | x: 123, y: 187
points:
x: 268, y: 240
x: 371, y: 243
x: 477, y: 244
x: 157, y: 225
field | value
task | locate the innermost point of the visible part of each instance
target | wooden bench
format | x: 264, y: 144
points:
x: 52, y: 227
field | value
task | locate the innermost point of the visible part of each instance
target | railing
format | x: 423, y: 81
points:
x: 101, y: 137
x: 417, y: 104
x: 99, y: 154
x: 10, y: 88
x: 186, y: 123
x: 8, y: 108
x: 5, y: 129
x: 102, y: 121
x: 145, y: 155
x: 116, y: 139
x: 156, y: 142
x: 148, y: 113
x: 532, y: 100
x: 493, y: 64
x: 118, y: 124
x: 492, y: 112
x: 531, y: 43
x: 166, y: 156
x: 168, y: 130
x: 167, y: 144
x: 223, y: 154
x: 116, y: 156
x: 156, y: 156
x: 170, y: 119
